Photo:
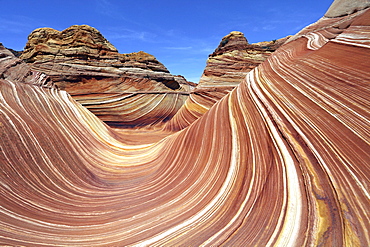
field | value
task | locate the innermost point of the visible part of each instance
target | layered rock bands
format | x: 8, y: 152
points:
x: 226, y: 68
x: 119, y: 88
x: 281, y: 160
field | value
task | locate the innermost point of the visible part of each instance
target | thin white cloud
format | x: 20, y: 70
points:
x: 104, y: 7
x: 268, y: 27
x: 179, y: 48
x: 193, y: 50
x: 17, y: 24
x: 208, y: 49
x: 124, y: 33
x: 256, y: 29
x: 114, y: 11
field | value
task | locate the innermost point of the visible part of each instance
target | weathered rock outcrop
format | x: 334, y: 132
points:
x: 15, y: 53
x: 282, y: 160
x: 14, y: 70
x: 234, y: 58
x: 345, y: 7
x: 226, y: 68
x: 119, y: 88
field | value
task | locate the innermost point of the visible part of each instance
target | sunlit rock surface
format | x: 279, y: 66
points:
x: 119, y: 88
x: 234, y: 58
x: 226, y: 68
x: 282, y: 160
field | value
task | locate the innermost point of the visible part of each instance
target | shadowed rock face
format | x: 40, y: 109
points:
x: 118, y: 88
x: 282, y: 160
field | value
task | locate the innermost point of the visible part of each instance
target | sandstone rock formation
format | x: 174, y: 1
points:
x: 226, y: 68
x: 118, y: 88
x: 15, y: 53
x: 345, y: 7
x: 13, y: 69
x: 234, y: 58
x: 282, y: 160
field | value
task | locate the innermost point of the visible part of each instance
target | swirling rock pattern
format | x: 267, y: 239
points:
x: 118, y: 88
x: 283, y: 159
x: 226, y: 68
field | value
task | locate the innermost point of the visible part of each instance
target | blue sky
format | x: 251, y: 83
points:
x: 180, y: 34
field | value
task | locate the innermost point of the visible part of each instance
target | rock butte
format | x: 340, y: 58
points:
x: 282, y: 159
x: 118, y: 88
x: 226, y: 68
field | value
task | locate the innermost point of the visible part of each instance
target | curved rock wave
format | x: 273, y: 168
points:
x: 283, y: 159
x: 124, y: 90
x: 226, y: 67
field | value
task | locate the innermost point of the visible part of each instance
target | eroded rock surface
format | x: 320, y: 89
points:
x: 15, y: 70
x: 234, y: 58
x: 282, y: 160
x: 118, y: 88
x: 341, y: 8
x: 226, y: 68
